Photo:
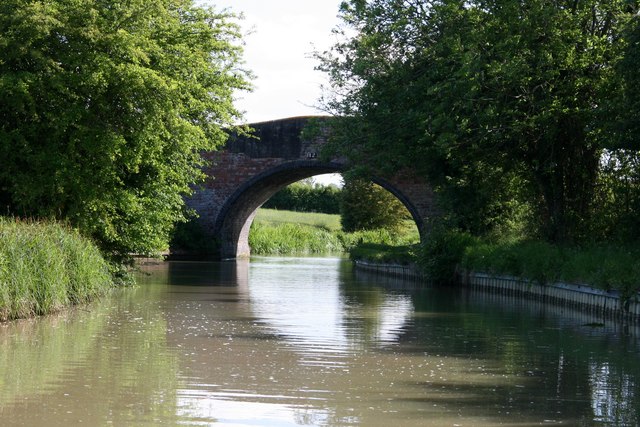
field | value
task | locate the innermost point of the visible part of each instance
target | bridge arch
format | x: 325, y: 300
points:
x: 251, y: 169
x: 236, y: 216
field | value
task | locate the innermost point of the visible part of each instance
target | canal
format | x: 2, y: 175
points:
x: 310, y: 342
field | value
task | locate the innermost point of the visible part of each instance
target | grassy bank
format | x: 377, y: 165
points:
x: 45, y: 267
x: 602, y: 266
x: 606, y: 267
x: 386, y: 254
x: 298, y: 233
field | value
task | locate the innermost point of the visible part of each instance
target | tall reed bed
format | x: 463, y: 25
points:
x: 45, y: 267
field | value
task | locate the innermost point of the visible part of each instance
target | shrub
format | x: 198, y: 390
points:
x: 443, y: 252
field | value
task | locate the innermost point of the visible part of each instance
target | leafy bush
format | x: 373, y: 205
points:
x: 442, y: 253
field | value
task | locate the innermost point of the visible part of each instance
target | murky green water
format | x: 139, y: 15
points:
x: 290, y: 342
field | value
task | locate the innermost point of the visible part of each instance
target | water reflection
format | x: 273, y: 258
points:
x: 101, y: 365
x: 612, y: 394
x: 316, y: 316
x: 291, y: 342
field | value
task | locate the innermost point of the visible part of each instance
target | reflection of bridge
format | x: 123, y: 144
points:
x: 249, y: 170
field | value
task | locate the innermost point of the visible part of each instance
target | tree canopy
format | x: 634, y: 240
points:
x: 504, y: 105
x: 105, y: 106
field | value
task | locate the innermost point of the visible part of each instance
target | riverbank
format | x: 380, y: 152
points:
x: 603, y: 266
x: 45, y: 267
x: 605, y: 304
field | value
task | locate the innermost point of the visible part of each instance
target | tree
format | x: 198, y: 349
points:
x: 618, y: 192
x: 367, y: 206
x: 626, y: 105
x: 305, y: 196
x: 105, y: 107
x: 496, y: 102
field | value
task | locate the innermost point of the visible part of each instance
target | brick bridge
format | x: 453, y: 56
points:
x: 249, y: 170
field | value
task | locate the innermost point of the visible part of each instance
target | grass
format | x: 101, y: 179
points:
x: 602, y: 266
x: 292, y: 239
x: 319, y: 220
x: 45, y: 267
x: 298, y: 233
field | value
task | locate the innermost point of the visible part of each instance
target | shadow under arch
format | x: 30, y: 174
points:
x: 237, y: 214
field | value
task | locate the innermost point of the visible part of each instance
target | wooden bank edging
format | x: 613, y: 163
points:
x: 596, y: 301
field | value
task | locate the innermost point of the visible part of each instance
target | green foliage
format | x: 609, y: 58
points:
x: 625, y: 106
x: 297, y: 233
x: 305, y: 197
x: 367, y: 206
x: 602, y: 266
x: 501, y: 105
x: 617, y: 198
x: 45, y: 267
x: 106, y: 107
x: 440, y: 255
x: 532, y: 260
x: 190, y: 238
x: 382, y: 253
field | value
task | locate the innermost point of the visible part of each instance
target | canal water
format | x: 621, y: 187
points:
x: 309, y: 342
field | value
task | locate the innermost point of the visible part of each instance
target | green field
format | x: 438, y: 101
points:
x: 299, y: 233
x: 320, y: 220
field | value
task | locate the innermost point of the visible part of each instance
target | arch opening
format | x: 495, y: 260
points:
x: 237, y: 215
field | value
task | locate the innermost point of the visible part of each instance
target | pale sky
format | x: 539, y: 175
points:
x: 284, y: 33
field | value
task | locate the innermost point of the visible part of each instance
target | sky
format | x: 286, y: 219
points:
x: 282, y: 36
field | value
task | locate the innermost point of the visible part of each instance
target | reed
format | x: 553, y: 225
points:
x: 45, y: 267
